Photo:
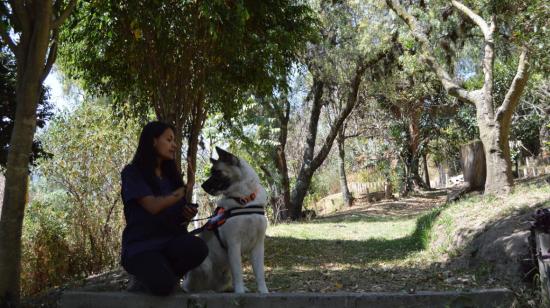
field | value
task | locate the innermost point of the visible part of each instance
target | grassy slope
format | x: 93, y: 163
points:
x: 365, y: 250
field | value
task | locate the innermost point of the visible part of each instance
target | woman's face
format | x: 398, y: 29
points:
x: 165, y: 145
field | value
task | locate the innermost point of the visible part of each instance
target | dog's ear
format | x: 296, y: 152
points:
x: 227, y: 157
x: 213, y: 161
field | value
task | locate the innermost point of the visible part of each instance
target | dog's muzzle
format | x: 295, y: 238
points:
x: 213, y: 186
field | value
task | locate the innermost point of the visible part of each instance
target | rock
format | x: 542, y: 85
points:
x: 503, y: 244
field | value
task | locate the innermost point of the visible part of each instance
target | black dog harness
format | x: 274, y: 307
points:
x: 221, y: 215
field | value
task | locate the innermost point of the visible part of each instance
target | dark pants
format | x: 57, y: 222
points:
x: 160, y: 271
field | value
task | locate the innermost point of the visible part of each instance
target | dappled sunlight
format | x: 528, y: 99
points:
x: 385, y: 210
x: 345, y: 230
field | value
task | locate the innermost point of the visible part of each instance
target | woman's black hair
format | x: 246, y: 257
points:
x: 145, y: 158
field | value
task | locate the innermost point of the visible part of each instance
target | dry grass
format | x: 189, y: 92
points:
x: 388, y: 246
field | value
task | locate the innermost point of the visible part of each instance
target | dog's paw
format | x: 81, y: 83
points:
x: 263, y: 290
x: 239, y: 290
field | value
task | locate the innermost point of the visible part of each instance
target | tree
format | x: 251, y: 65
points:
x: 343, y: 56
x: 412, y: 97
x: 36, y: 26
x: 8, y: 105
x: 493, y: 123
x: 334, y: 107
x: 89, y: 146
x: 260, y: 134
x: 185, y: 59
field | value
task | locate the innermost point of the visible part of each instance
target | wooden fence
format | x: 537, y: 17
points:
x: 366, y: 187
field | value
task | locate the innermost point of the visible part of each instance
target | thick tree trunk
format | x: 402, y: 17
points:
x: 473, y: 162
x: 15, y: 192
x: 346, y: 195
x: 497, y: 157
x: 414, y: 144
x: 413, y: 181
x: 34, y: 62
x: 306, y: 171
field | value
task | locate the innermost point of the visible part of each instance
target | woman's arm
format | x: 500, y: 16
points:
x: 155, y: 205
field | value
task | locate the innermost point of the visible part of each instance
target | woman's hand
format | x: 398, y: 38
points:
x: 179, y: 193
x: 189, y: 211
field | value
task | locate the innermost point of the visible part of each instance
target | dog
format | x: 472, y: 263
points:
x: 237, y: 183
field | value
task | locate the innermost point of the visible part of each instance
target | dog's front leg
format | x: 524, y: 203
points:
x: 235, y: 263
x: 257, y: 259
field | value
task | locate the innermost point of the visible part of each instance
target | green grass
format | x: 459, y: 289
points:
x: 362, y: 252
x: 476, y: 212
x: 344, y: 252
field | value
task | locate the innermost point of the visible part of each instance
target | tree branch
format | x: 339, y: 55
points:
x: 478, y: 20
x: 52, y: 55
x: 429, y: 56
x: 513, y: 95
x: 68, y: 10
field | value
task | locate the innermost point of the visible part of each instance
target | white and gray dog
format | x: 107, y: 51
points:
x: 240, y: 190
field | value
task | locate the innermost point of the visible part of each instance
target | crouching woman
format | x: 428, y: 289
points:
x: 156, y: 247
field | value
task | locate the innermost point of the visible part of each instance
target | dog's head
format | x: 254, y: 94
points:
x: 225, y: 171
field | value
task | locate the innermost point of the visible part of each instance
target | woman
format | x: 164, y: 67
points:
x: 156, y: 248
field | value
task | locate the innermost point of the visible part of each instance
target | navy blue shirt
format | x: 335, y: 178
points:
x: 145, y: 231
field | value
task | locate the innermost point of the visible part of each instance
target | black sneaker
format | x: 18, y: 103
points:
x: 136, y: 286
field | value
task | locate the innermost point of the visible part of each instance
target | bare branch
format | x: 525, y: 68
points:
x: 68, y: 10
x: 429, y: 56
x: 52, y: 55
x: 478, y: 20
x: 513, y: 95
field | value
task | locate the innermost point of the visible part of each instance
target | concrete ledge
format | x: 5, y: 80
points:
x: 474, y: 298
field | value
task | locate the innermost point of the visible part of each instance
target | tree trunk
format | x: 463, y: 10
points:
x: 388, y: 190
x: 442, y: 175
x: 497, y: 156
x: 281, y: 162
x: 414, y: 144
x: 195, y: 127
x: 33, y: 64
x: 544, y: 138
x: 306, y: 171
x: 413, y: 181
x: 15, y: 193
x: 472, y: 160
x: 346, y: 195
x: 426, y: 174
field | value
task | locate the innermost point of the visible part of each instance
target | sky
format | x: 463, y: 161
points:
x: 57, y: 97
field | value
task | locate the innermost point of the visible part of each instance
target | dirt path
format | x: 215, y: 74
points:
x: 407, y: 207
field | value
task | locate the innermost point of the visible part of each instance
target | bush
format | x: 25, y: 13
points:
x: 48, y: 258
x: 73, y: 226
